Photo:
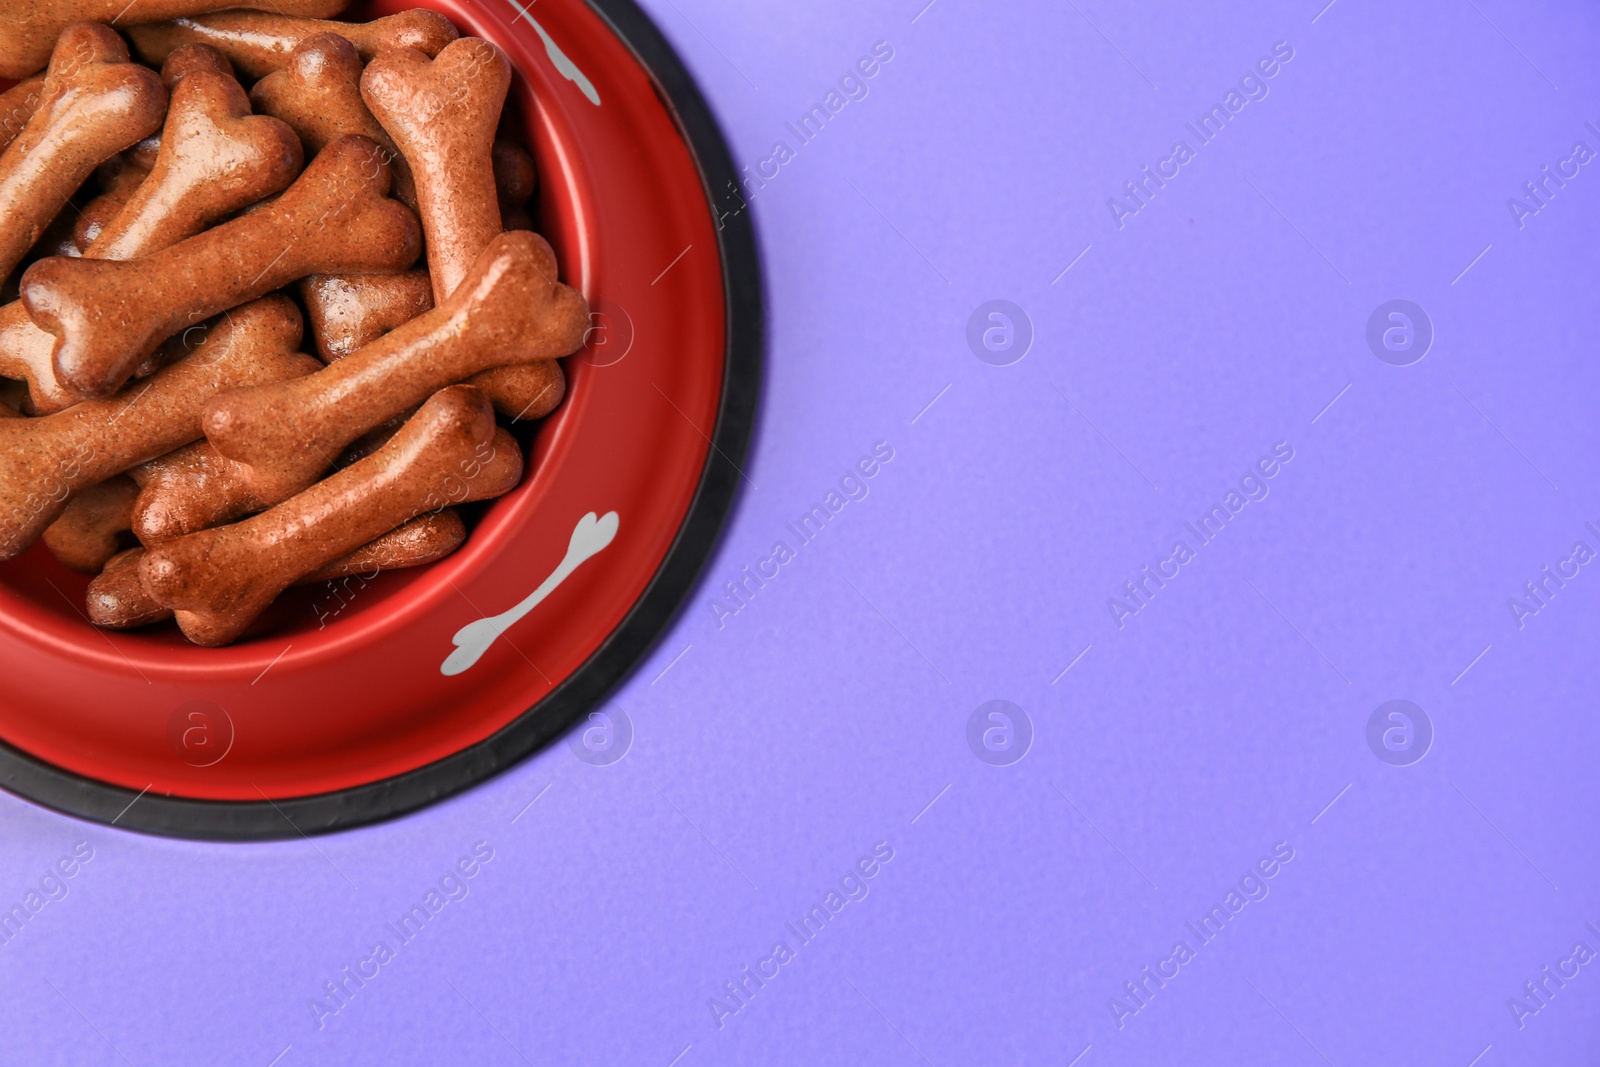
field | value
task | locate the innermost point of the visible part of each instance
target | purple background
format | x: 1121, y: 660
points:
x: 772, y: 752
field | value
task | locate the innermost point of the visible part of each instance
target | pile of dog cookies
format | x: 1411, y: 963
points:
x: 153, y: 339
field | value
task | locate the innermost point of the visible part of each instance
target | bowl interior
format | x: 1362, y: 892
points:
x: 48, y: 598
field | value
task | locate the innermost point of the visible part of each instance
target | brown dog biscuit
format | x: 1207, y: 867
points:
x: 259, y: 43
x: 506, y: 453
x: 442, y: 114
x: 90, y: 527
x: 524, y: 391
x: 25, y: 349
x: 44, y: 461
x: 425, y: 539
x: 350, y: 311
x: 182, y: 62
x: 510, y: 309
x: 319, y: 95
x: 513, y: 173
x: 196, y: 488
x: 515, y: 177
x: 117, y: 598
x: 218, y: 581
x: 191, y: 58
x: 216, y: 157
x: 17, y: 105
x: 108, y: 315
x: 31, y: 27
x: 95, y: 104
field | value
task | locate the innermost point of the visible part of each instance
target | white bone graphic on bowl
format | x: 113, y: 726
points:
x: 559, y: 59
x: 591, y: 535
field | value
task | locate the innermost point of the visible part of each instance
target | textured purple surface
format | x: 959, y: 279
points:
x: 1229, y: 714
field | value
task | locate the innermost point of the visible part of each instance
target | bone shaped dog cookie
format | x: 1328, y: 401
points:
x: 190, y: 58
x: 95, y: 104
x: 183, y: 61
x: 218, y: 581
x: 510, y: 309
x: 259, y: 42
x: 44, y: 461
x: 196, y: 488
x: 350, y: 311
x: 425, y: 539
x: 443, y: 113
x: 319, y: 95
x: 108, y: 315
x: 515, y: 180
x: 524, y: 392
x: 30, y: 27
x: 215, y: 158
x: 117, y: 598
x: 86, y: 534
x: 528, y: 390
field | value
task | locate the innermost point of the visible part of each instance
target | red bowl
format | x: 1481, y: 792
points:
x: 339, y: 712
